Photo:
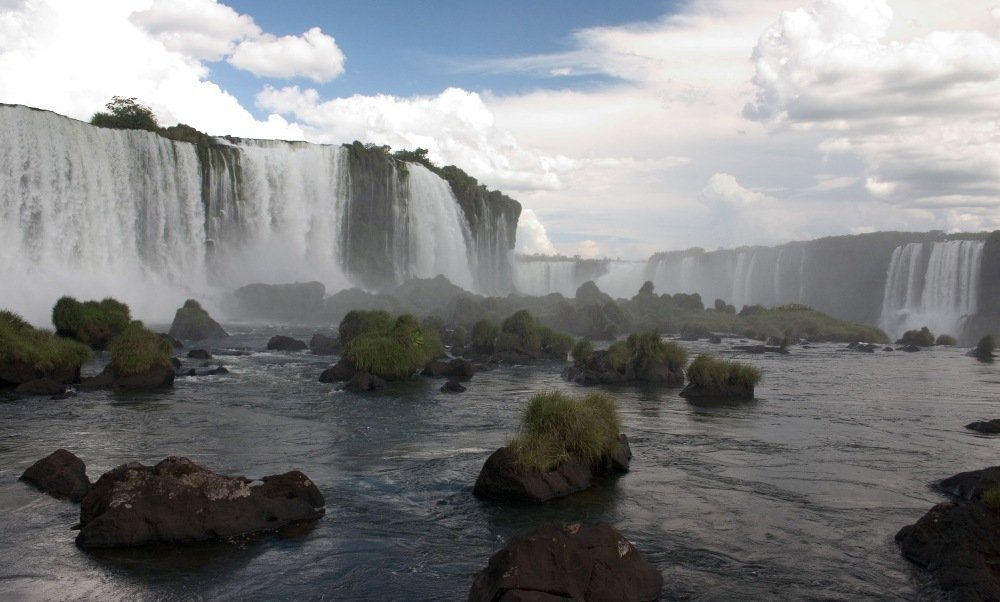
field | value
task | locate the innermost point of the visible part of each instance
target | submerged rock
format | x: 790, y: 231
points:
x: 452, y: 386
x: 571, y: 562
x: 59, y: 474
x: 503, y: 477
x: 41, y: 386
x: 283, y: 343
x: 199, y: 354
x: 990, y: 427
x: 156, y: 377
x: 178, y: 501
x: 729, y: 392
x: 363, y: 381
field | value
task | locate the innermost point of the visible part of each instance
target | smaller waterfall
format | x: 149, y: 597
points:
x: 935, y: 285
x: 439, y: 235
x: 539, y: 278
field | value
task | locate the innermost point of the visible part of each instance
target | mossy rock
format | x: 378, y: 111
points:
x: 93, y: 323
x: 28, y: 354
x: 192, y: 323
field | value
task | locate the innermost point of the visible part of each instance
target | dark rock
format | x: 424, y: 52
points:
x: 178, y: 501
x: 283, y: 343
x: 888, y: 349
x: 173, y: 342
x: 217, y: 371
x: 339, y: 372
x: 59, y: 474
x: 41, y: 386
x: 909, y: 348
x: 455, y: 368
x: 971, y: 484
x: 157, y: 377
x: 862, y: 347
x: 990, y: 427
x: 363, y: 381
x: 199, y: 354
x: 692, y: 391
x: 959, y: 543
x: 193, y: 323
x: 571, y: 562
x: 16, y: 373
x: 321, y: 344
x: 299, y: 301
x: 452, y: 386
x: 596, y: 370
x: 757, y: 349
x: 176, y: 363
x: 504, y: 478
x: 715, y: 339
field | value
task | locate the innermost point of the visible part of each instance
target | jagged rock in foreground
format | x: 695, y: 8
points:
x: 503, y: 477
x: 571, y: 562
x: 178, y: 501
x: 59, y: 474
x: 959, y: 541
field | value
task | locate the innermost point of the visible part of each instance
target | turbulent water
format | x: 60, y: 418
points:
x: 796, y: 495
x: 93, y: 212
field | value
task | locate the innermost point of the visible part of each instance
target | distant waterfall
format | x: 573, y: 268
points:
x: 93, y: 212
x: 540, y: 278
x: 931, y: 284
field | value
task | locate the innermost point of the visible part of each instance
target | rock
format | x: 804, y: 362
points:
x: 959, y: 543
x: 910, y: 348
x: 339, y: 372
x: 178, y: 501
x: 41, y: 386
x: 571, y: 562
x: 455, y: 368
x: 649, y: 371
x: 283, y: 343
x: 596, y: 370
x: 173, y: 342
x: 199, y: 354
x: 363, y: 381
x: 862, y: 347
x: 990, y: 427
x: 969, y: 485
x: 157, y: 377
x: 321, y: 344
x: 757, y: 349
x: 176, y: 363
x: 452, y: 386
x: 888, y: 349
x: 502, y: 477
x: 692, y: 391
x: 16, y: 373
x: 59, y: 474
x: 715, y: 339
x: 193, y: 323
x: 219, y: 370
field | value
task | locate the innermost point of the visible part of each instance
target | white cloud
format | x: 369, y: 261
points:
x: 313, y: 54
x: 531, y: 236
x: 200, y: 29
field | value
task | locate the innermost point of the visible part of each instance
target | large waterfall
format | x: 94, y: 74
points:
x: 93, y: 212
x: 932, y: 284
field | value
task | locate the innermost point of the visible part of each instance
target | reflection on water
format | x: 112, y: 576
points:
x: 794, y: 495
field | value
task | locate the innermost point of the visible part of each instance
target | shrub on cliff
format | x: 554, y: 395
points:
x: 40, y: 350
x: 394, y: 352
x: 126, y: 113
x: 137, y: 350
x: 94, y: 323
x: 556, y: 427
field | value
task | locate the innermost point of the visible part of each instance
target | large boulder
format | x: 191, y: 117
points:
x: 571, y: 562
x: 339, y: 372
x: 456, y: 368
x: 320, y: 344
x: 178, y: 501
x: 59, y: 474
x: 192, y: 323
x: 970, y: 485
x: 41, y: 386
x: 989, y: 427
x: 156, y: 377
x: 503, y: 477
x: 284, y: 343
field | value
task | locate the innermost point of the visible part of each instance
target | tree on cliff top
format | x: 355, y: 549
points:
x: 126, y: 114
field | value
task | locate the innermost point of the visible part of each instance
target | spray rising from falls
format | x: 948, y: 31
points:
x: 95, y: 212
x: 934, y: 285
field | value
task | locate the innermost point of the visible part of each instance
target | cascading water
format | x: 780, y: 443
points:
x: 934, y: 285
x: 92, y: 212
x: 539, y: 278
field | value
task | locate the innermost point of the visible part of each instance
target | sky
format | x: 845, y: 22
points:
x: 623, y: 128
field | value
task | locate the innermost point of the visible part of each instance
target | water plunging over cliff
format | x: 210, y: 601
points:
x: 94, y: 212
x: 932, y: 284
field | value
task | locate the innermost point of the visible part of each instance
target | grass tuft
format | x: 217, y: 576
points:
x: 92, y: 322
x: 556, y: 427
x: 714, y: 374
x: 991, y: 497
x: 394, y: 350
x: 40, y: 349
x: 137, y: 350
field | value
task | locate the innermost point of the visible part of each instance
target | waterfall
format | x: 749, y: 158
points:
x: 931, y: 284
x: 541, y: 277
x: 94, y: 212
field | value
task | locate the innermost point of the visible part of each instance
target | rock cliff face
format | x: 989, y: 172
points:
x: 178, y: 209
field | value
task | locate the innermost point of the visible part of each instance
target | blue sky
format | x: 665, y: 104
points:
x: 623, y: 129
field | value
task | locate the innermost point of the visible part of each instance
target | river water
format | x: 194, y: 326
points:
x: 796, y: 495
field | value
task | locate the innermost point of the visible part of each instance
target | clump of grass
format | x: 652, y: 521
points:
x: 137, y: 350
x: 986, y: 346
x: 555, y: 344
x: 991, y: 497
x: 618, y: 355
x: 946, y: 339
x: 394, y: 351
x: 22, y: 343
x: 92, y: 322
x: 921, y: 338
x: 714, y: 374
x: 359, y: 321
x: 650, y: 345
x: 582, y: 350
x: 556, y: 427
x: 484, y: 335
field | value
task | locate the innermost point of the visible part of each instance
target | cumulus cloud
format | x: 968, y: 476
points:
x: 200, y: 29
x: 531, y: 236
x: 313, y: 54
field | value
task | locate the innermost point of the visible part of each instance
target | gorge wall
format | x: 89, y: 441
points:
x: 895, y: 280
x: 153, y: 218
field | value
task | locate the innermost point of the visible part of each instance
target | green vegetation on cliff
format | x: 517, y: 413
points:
x: 21, y: 343
x: 556, y: 427
x: 126, y: 114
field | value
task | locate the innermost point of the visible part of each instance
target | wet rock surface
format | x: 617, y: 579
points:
x: 60, y: 474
